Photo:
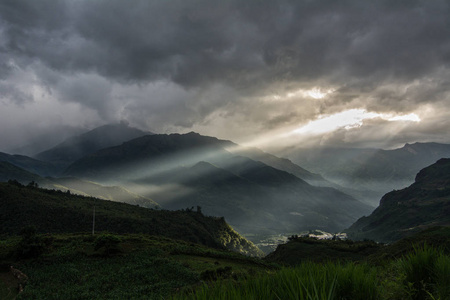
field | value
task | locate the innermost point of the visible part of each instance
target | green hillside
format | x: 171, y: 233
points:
x: 107, y: 266
x: 53, y: 211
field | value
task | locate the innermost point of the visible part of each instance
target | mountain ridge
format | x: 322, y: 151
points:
x: 86, y: 143
x: 372, y: 171
x: 165, y: 168
x: 423, y: 204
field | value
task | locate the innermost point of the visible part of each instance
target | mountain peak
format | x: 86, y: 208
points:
x: 89, y: 142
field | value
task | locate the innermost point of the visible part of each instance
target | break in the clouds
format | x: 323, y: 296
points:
x: 241, y: 70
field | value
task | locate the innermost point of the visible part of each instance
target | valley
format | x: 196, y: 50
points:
x: 194, y: 210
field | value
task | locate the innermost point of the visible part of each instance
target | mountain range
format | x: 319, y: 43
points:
x: 401, y: 213
x: 184, y: 170
x: 257, y: 192
x: 373, y: 172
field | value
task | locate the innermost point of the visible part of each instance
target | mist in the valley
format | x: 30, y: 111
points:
x: 253, y: 197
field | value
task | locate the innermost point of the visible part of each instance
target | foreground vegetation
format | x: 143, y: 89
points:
x: 155, y: 254
x: 108, y: 266
x: 139, y: 266
x: 422, y: 274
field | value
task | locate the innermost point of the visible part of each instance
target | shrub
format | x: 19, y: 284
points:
x: 31, y: 245
x: 107, y: 244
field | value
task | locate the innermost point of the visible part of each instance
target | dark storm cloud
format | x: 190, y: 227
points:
x: 193, y: 42
x: 12, y: 94
x: 221, y: 58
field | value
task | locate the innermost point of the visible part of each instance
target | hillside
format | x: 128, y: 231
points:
x: 401, y: 213
x: 284, y: 164
x: 184, y: 170
x: 84, y: 144
x: 59, y: 212
x: 112, y: 266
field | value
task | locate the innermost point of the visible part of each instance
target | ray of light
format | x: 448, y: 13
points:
x: 349, y: 119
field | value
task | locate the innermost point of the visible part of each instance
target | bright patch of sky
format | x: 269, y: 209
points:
x: 316, y: 93
x: 348, y: 119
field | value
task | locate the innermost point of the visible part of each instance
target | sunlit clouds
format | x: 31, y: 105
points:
x: 349, y: 119
x: 244, y: 71
x: 317, y: 93
x: 304, y: 93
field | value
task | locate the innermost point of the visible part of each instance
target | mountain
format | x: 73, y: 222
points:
x: 58, y: 212
x: 9, y: 171
x: 372, y: 171
x: 188, y: 170
x: 285, y: 164
x: 80, y: 187
x: 41, y: 141
x: 30, y: 164
x: 401, y: 213
x: 84, y: 144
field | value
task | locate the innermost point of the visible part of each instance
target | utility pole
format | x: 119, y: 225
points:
x: 93, y: 220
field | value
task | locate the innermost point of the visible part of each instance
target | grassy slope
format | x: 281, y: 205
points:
x: 303, y: 249
x: 141, y: 266
x: 151, y: 267
x: 58, y: 212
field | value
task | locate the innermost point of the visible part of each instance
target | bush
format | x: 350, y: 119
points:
x: 31, y: 245
x: 107, y: 244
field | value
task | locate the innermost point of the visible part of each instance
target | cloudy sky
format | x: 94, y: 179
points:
x: 307, y: 72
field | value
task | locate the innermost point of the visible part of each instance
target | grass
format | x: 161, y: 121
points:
x: 139, y: 266
x: 307, y: 281
x: 427, y: 273
x: 142, y: 274
x: 109, y: 266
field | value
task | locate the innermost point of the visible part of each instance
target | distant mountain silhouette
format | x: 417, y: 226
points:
x: 185, y: 170
x: 374, y: 170
x: 30, y: 164
x: 9, y: 171
x: 76, y: 186
x: 401, y: 213
x: 285, y: 165
x: 84, y: 144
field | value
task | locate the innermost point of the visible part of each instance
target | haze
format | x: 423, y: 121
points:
x: 340, y: 73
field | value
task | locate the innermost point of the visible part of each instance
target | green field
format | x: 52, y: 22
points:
x: 140, y: 266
